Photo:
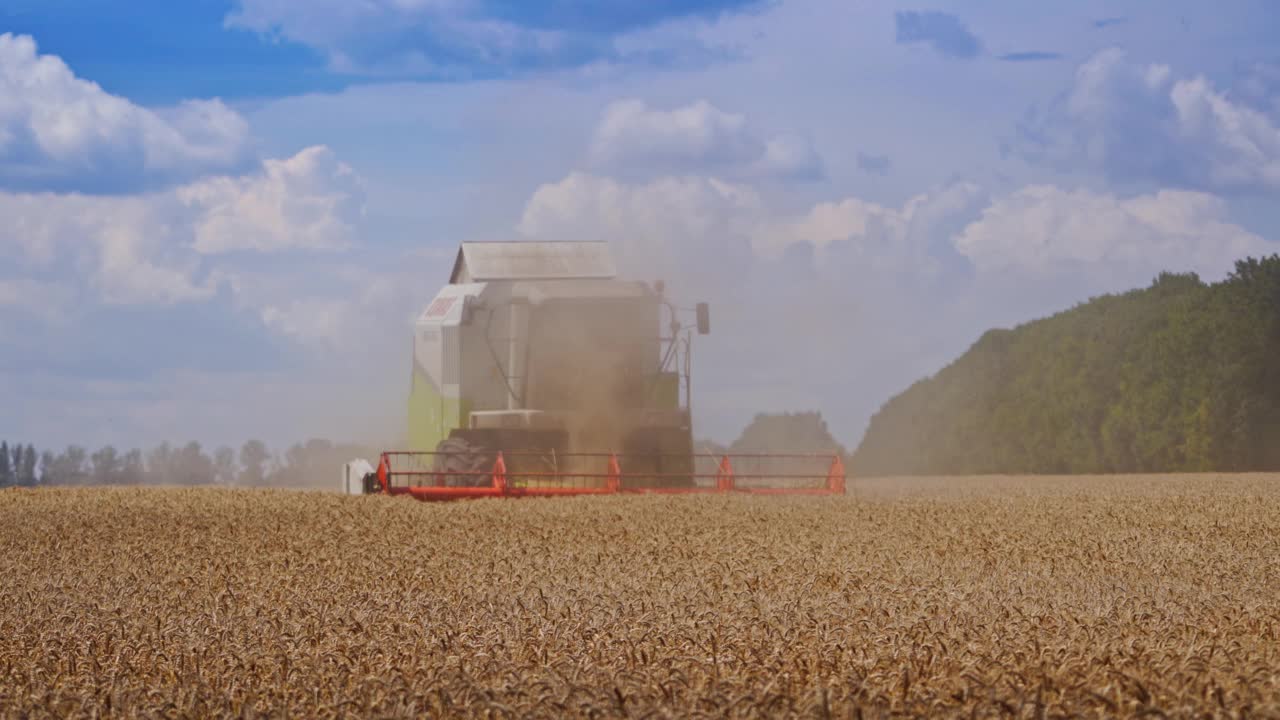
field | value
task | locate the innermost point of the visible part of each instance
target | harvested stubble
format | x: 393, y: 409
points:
x: 1029, y: 597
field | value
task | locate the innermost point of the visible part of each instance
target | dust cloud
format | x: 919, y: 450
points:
x: 593, y: 363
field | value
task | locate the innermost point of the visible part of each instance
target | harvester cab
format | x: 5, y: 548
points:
x: 537, y: 371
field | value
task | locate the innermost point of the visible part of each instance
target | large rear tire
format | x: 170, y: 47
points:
x: 464, y: 463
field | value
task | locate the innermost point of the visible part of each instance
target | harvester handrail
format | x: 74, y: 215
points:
x: 517, y: 453
x: 605, y: 475
x: 505, y: 483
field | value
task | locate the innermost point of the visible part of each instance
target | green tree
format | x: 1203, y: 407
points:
x: 15, y: 461
x: 160, y: 464
x: 106, y: 466
x: 68, y: 468
x: 48, y: 470
x: 253, y: 463
x: 132, y: 469
x: 1178, y: 376
x: 7, y: 476
x: 192, y: 466
x: 224, y: 466
x: 27, y: 472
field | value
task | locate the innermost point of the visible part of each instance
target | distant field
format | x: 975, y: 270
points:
x: 1030, y: 596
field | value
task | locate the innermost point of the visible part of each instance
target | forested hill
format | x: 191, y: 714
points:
x: 1180, y: 376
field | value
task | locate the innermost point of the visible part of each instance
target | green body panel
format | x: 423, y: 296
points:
x: 666, y: 395
x: 431, y: 415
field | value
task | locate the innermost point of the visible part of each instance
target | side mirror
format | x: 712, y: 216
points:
x: 704, y: 318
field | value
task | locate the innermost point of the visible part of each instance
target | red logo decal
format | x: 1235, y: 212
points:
x: 440, y: 306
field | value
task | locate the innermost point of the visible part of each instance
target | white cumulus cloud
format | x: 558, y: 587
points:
x: 309, y: 201
x: 60, y: 132
x: 154, y: 248
x: 1104, y: 241
x: 904, y: 239
x: 687, y: 221
x: 124, y: 248
x: 466, y: 39
x: 1136, y: 122
x: 451, y: 39
x: 1042, y: 229
x: 633, y: 137
x: 654, y: 226
x: 310, y: 321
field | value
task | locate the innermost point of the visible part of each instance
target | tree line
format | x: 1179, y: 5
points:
x: 313, y: 463
x: 1180, y: 376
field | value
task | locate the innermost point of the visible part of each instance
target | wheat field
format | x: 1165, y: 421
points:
x: 1027, y: 597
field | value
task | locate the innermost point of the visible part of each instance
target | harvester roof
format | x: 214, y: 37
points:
x: 524, y: 260
x: 541, y: 291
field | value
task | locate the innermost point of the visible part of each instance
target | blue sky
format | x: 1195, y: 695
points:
x: 219, y: 215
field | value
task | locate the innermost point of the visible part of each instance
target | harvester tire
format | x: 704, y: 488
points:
x: 463, y: 463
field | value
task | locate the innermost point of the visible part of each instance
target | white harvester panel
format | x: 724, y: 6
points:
x: 435, y: 395
x: 353, y: 474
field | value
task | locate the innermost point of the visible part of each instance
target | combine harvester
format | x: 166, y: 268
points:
x: 537, y: 372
